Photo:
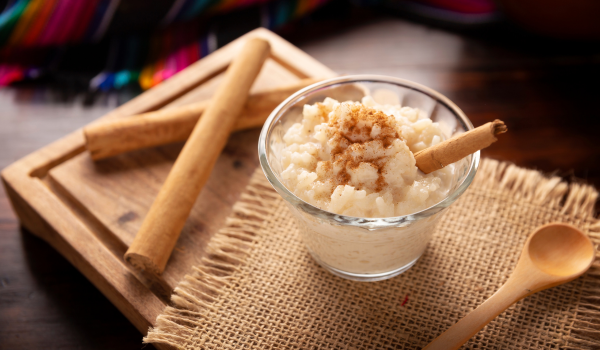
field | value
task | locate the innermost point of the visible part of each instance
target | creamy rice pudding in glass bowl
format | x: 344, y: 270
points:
x: 340, y: 153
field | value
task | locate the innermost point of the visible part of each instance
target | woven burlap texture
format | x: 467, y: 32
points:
x: 258, y: 288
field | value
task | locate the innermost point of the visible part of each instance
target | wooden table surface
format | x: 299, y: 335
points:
x: 546, y: 92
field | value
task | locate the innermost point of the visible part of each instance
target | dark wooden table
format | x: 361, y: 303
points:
x: 545, y: 91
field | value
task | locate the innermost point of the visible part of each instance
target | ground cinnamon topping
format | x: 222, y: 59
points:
x: 348, y: 136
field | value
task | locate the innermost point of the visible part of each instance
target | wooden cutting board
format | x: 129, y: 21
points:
x: 90, y: 211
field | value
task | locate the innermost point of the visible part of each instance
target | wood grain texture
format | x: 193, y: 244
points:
x: 545, y: 95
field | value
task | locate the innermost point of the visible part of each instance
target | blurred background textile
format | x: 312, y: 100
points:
x: 110, y: 44
x: 102, y: 45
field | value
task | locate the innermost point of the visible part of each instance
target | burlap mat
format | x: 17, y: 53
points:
x: 260, y: 289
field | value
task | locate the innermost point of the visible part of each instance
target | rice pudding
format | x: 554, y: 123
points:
x: 356, y: 159
x: 347, y: 171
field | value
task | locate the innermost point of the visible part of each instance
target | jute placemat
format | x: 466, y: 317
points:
x: 259, y: 289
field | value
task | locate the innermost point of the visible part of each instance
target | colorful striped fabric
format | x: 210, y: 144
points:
x: 148, y: 41
x: 176, y: 39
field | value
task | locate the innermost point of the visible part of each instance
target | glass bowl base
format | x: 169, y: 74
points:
x: 364, y: 277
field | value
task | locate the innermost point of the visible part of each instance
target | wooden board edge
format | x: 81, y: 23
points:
x: 81, y: 248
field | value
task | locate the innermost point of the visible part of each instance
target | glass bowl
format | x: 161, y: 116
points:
x: 356, y: 248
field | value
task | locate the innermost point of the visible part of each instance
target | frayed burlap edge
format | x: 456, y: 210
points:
x: 193, y: 298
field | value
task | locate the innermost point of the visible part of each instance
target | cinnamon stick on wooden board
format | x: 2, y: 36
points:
x: 456, y: 148
x: 114, y: 137
x: 160, y: 230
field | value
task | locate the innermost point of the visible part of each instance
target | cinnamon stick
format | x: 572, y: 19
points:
x: 456, y: 148
x: 114, y: 137
x: 160, y: 230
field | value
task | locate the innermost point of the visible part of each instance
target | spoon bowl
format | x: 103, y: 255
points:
x: 553, y: 254
x: 560, y: 250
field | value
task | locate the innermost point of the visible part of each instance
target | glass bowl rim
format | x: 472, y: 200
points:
x: 361, y: 221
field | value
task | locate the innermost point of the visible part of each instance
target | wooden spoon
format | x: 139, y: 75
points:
x: 554, y: 254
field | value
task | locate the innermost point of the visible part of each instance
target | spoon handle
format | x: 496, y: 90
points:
x: 511, y: 292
